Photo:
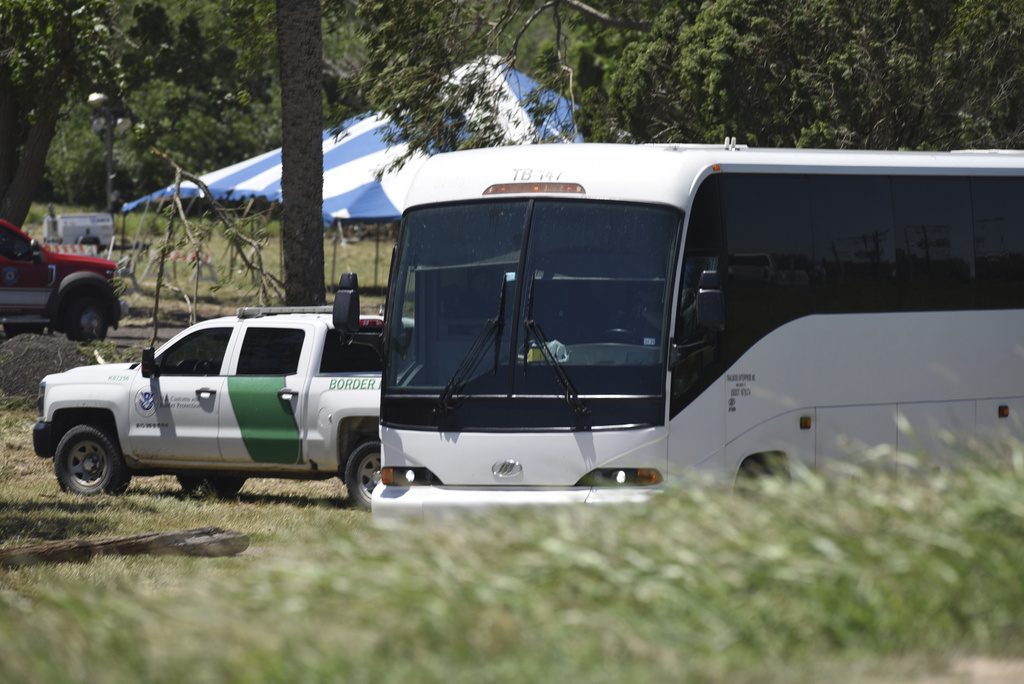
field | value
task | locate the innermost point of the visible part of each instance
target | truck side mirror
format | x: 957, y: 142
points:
x: 148, y: 366
x: 346, y: 304
x: 36, y: 251
x: 710, y: 302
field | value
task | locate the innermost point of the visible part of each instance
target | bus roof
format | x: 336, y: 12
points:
x: 666, y: 174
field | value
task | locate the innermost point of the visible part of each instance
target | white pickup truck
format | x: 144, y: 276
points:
x: 271, y: 392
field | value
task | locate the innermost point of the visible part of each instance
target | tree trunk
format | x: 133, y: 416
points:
x: 17, y: 198
x: 8, y: 138
x: 300, y: 50
x: 203, y: 541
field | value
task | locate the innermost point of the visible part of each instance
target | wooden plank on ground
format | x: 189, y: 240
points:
x: 203, y: 541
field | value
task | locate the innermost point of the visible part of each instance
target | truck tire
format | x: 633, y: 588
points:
x: 86, y: 319
x: 88, y: 461
x: 362, y: 473
x: 220, y: 486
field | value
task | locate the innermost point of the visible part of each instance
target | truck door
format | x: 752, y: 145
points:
x: 345, y: 385
x: 174, y: 416
x: 266, y: 396
x: 25, y: 280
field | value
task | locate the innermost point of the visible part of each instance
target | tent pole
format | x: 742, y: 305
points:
x: 334, y: 252
x: 376, y: 254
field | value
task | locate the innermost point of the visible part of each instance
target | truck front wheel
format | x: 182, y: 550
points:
x: 87, y: 461
x: 362, y: 473
x: 86, y: 319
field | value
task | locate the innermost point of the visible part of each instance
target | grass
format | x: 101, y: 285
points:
x: 867, y: 577
x: 861, y: 578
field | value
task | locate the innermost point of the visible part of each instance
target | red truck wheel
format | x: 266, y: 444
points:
x: 86, y: 319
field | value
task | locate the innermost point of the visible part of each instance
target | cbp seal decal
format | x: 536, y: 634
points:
x: 9, y: 275
x: 146, y: 402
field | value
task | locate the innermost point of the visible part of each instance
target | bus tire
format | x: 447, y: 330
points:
x: 759, y: 466
x: 88, y: 461
x: 362, y: 473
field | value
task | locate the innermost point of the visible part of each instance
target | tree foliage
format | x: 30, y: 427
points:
x: 51, y: 51
x: 179, y: 78
x: 415, y: 48
x: 915, y: 74
x: 202, y: 79
x: 882, y: 74
x: 201, y: 82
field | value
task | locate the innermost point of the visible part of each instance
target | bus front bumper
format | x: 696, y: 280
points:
x: 431, y: 503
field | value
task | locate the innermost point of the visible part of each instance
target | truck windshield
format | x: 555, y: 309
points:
x: 588, y: 280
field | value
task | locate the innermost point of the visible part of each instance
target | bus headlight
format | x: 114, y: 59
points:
x: 621, y: 477
x: 407, y: 477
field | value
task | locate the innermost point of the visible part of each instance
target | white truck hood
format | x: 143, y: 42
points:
x: 99, y: 373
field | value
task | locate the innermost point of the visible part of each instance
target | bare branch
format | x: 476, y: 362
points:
x: 607, y: 19
x: 526, y: 25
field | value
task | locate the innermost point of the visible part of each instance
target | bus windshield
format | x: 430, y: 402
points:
x: 510, y: 298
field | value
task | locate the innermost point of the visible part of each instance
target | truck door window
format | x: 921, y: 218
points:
x: 13, y: 246
x: 270, y: 351
x: 201, y: 353
x: 348, y: 358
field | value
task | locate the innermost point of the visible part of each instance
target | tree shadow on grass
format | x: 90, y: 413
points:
x: 167, y: 487
x: 70, y: 519
x: 50, y: 521
x: 297, y: 500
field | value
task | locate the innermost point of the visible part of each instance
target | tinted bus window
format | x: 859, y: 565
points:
x: 934, y: 250
x: 770, y: 260
x: 704, y: 230
x: 999, y: 242
x: 854, y: 246
x: 701, y: 349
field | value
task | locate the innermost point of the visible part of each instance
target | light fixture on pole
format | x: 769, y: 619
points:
x: 110, y: 116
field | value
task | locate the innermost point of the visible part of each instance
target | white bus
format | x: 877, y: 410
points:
x: 587, y: 322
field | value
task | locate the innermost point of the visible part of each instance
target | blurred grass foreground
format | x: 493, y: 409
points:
x: 848, y: 578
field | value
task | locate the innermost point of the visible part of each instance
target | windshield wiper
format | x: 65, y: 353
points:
x: 493, y: 326
x: 572, y: 395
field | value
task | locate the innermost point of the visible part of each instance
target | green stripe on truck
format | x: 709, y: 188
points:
x: 268, y: 426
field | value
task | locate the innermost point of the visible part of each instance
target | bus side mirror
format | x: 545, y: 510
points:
x: 710, y: 302
x: 346, y: 317
x: 148, y: 366
x: 346, y: 304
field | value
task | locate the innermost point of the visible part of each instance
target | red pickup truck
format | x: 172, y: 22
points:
x: 42, y: 289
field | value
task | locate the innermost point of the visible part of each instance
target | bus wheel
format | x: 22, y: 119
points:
x: 758, y: 466
x: 362, y: 473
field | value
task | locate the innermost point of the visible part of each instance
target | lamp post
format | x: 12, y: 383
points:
x: 103, y: 123
x: 110, y: 116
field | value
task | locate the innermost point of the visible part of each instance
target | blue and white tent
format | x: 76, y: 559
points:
x: 353, y: 159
